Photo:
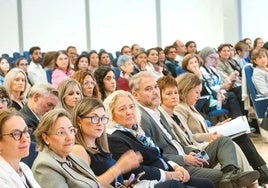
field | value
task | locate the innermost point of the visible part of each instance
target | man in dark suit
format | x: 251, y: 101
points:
x: 145, y: 90
x: 42, y: 98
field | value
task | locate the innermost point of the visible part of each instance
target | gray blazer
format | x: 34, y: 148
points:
x: 50, y: 170
x: 152, y: 130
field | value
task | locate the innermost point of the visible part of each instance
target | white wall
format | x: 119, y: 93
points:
x: 56, y: 24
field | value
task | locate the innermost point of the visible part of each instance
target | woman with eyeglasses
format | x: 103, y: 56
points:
x: 4, y: 98
x: 14, y: 145
x: 89, y: 118
x: 55, y: 166
x: 88, y: 83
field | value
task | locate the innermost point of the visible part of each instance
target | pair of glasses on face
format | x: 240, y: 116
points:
x: 4, y: 100
x: 95, y: 119
x: 63, y: 132
x: 17, y: 134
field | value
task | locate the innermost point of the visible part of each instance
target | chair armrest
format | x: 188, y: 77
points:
x: 261, y: 98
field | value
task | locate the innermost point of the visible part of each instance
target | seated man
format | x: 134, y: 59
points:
x: 42, y: 98
x: 145, y: 90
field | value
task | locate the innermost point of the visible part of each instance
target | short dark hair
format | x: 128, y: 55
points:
x: 32, y: 49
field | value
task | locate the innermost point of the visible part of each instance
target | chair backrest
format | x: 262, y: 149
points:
x: 248, y: 73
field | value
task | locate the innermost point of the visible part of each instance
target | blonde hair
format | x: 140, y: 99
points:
x: 48, y: 121
x: 111, y: 100
x: 9, y: 78
x: 185, y: 83
x: 64, y: 87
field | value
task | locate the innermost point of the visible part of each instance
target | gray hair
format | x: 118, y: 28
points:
x: 206, y: 52
x: 43, y: 89
x: 136, y: 79
x: 123, y: 59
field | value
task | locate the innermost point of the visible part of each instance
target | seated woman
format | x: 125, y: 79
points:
x: 260, y: 71
x: 69, y: 94
x: 105, y: 78
x: 54, y: 165
x: 62, y: 68
x: 81, y: 63
x: 189, y: 88
x: 90, y: 120
x: 4, y: 68
x: 4, y: 98
x: 14, y: 145
x: 16, y: 86
x: 169, y: 100
x: 88, y: 83
x: 124, y: 133
x: 212, y: 86
x: 126, y: 67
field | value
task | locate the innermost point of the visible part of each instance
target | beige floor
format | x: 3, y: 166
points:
x: 261, y: 146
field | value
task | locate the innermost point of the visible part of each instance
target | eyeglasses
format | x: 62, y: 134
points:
x: 4, y: 100
x: 213, y: 58
x: 89, y: 83
x: 95, y: 119
x: 63, y: 132
x: 17, y: 134
x: 23, y: 64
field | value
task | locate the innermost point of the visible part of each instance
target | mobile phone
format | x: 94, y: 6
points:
x: 202, y: 155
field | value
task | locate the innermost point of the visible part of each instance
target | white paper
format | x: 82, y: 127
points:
x: 233, y: 128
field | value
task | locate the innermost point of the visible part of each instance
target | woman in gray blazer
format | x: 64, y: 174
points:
x: 54, y: 165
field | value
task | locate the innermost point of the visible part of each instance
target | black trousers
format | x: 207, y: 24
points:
x: 193, y: 182
x: 252, y: 155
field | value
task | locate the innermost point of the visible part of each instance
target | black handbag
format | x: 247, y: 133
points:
x: 264, y: 123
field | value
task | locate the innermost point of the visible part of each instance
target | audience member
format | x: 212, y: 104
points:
x: 70, y: 93
x: 171, y: 62
x: 62, y: 69
x: 260, y: 71
x: 191, y: 47
x: 189, y: 88
x: 258, y: 43
x: 152, y: 64
x: 41, y: 98
x: 15, y: 84
x: 145, y: 90
x: 227, y: 70
x: 124, y: 133
x: 180, y: 50
x: 134, y: 49
x: 242, y: 52
x: 22, y: 63
x: 161, y: 61
x: 91, y: 143
x: 125, y: 50
x: 14, y: 145
x: 212, y: 83
x: 93, y: 61
x: 5, y: 101
x: 106, y: 82
x: 88, y: 83
x: 248, y: 41
x: 104, y: 59
x: 4, y: 68
x: 72, y: 54
x: 81, y: 63
x: 49, y: 64
x: 140, y: 60
x: 36, y: 73
x: 125, y: 64
x: 55, y: 166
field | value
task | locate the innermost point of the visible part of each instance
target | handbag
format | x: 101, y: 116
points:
x: 264, y: 123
